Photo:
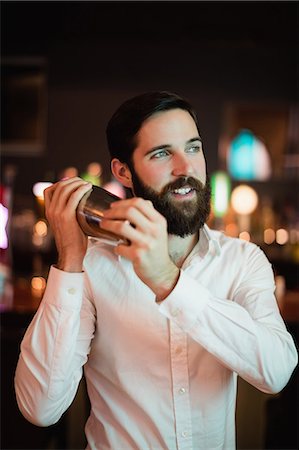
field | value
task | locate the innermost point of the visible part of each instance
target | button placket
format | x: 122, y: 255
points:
x: 180, y: 377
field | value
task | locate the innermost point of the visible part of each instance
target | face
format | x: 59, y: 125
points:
x: 169, y: 169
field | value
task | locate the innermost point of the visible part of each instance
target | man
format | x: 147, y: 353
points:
x: 164, y: 325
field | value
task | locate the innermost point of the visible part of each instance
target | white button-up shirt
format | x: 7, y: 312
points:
x: 159, y: 375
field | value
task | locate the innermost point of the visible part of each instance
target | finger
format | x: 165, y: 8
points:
x: 68, y: 193
x: 131, y: 215
x: 124, y: 251
x: 124, y: 209
x: 49, y: 192
x: 63, y: 188
x: 125, y: 229
x: 78, y: 194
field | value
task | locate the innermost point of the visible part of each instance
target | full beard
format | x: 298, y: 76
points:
x: 183, y: 217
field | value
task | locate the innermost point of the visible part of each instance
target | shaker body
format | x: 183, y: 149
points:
x: 90, y: 214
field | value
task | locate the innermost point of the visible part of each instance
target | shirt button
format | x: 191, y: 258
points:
x: 182, y: 390
x: 175, y: 312
x: 178, y: 350
x: 71, y: 291
x: 185, y: 434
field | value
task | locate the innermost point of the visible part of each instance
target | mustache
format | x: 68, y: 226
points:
x: 183, y: 182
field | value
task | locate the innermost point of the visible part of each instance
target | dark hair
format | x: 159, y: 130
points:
x: 125, y: 123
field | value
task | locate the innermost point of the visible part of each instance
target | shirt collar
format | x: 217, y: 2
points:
x: 207, y: 243
x: 213, y: 240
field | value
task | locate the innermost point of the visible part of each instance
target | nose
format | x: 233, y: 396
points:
x: 182, y: 166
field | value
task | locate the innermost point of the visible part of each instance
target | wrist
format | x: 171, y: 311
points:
x: 70, y: 264
x: 166, y: 284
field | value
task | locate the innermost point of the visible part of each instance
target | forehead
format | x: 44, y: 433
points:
x: 167, y: 127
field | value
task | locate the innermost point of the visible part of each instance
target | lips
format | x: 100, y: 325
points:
x: 183, y: 187
x: 183, y: 193
x: 183, y: 190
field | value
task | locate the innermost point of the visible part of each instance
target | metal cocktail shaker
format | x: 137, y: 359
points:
x: 90, y: 213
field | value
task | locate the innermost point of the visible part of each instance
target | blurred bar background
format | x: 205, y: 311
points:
x: 65, y: 68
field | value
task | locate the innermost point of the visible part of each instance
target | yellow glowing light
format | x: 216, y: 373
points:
x: 40, y: 228
x: 245, y: 236
x: 282, y: 236
x: 244, y: 199
x: 269, y: 236
x: 38, y: 283
x: 38, y: 189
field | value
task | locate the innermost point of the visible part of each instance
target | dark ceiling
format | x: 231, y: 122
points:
x: 99, y: 53
x: 212, y: 23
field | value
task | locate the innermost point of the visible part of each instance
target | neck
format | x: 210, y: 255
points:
x: 180, y: 248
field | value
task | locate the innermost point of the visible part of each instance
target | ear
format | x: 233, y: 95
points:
x: 121, y: 172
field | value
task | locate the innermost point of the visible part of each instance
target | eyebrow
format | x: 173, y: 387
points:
x: 168, y: 146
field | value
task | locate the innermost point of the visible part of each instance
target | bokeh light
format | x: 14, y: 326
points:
x: 244, y: 199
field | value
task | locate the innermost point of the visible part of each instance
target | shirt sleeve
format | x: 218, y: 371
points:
x: 54, y: 349
x: 246, y: 332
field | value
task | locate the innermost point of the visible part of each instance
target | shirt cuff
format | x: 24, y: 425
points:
x: 64, y: 289
x: 186, y: 301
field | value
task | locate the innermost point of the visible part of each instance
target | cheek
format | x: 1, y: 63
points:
x: 151, y: 176
x: 199, y: 169
x: 156, y: 178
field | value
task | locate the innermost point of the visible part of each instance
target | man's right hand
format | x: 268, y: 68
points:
x: 61, y: 201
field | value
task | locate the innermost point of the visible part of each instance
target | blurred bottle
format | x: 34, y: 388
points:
x: 6, y: 202
x: 93, y: 174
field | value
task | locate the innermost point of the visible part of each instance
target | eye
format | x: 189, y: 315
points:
x: 195, y: 148
x: 160, y: 154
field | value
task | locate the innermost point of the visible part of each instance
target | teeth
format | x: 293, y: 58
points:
x: 182, y: 191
